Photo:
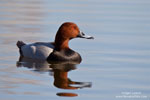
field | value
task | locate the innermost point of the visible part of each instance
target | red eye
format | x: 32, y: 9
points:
x: 75, y: 27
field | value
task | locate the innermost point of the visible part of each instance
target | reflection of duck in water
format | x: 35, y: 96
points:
x: 61, y: 79
x: 60, y: 71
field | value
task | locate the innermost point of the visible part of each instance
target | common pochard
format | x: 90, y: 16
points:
x: 57, y: 50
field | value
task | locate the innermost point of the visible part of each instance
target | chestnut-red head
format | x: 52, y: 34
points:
x: 67, y: 31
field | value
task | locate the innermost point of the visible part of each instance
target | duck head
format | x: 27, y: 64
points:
x: 66, y: 32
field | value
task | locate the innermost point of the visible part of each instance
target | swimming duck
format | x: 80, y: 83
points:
x: 57, y: 50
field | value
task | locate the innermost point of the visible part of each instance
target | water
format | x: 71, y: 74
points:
x: 115, y: 64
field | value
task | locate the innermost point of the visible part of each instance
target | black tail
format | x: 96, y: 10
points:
x: 20, y: 44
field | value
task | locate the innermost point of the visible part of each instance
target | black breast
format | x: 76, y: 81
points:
x: 64, y: 55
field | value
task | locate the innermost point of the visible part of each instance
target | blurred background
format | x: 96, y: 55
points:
x: 116, y: 63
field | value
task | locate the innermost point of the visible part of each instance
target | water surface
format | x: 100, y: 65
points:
x: 115, y: 64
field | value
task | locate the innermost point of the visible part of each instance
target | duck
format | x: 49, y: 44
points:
x: 58, y: 50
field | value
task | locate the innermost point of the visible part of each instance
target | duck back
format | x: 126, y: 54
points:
x: 39, y: 50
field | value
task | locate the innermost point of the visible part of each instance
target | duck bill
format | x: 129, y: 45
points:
x: 82, y: 35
